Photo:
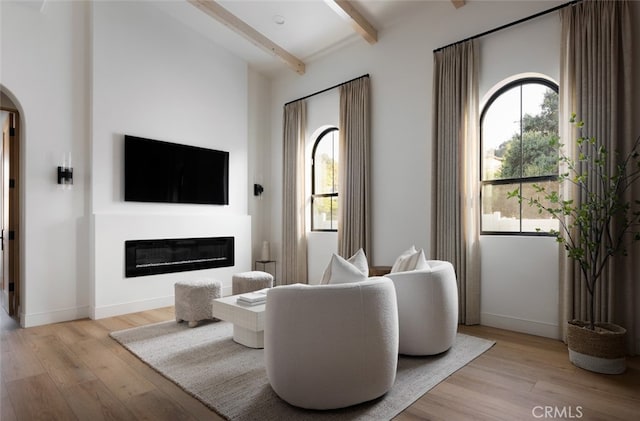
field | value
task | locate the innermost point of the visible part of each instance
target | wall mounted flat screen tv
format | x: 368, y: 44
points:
x: 157, y: 171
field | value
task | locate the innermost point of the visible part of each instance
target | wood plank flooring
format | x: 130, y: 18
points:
x: 74, y: 371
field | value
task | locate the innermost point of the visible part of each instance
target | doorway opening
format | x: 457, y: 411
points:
x: 10, y: 286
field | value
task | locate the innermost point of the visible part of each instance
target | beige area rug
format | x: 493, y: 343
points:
x: 231, y: 379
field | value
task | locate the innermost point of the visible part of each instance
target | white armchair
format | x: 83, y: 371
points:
x: 427, y: 308
x: 331, y: 346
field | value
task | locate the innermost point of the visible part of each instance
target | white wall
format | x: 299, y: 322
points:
x: 83, y: 74
x: 520, y: 284
x: 320, y: 247
x: 259, y: 128
x: 115, y: 294
x: 400, y: 66
x: 520, y: 274
x: 155, y: 78
x: 43, y: 68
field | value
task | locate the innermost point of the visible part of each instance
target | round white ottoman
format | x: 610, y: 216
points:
x: 250, y: 281
x: 193, y: 299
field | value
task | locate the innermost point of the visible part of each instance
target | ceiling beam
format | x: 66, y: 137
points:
x: 222, y: 15
x: 347, y: 10
x: 458, y: 3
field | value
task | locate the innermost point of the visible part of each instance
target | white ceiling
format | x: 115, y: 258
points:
x: 311, y: 27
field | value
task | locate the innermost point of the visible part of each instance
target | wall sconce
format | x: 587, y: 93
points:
x: 65, y: 171
x: 257, y: 189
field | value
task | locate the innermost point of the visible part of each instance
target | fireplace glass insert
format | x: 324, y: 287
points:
x: 151, y: 257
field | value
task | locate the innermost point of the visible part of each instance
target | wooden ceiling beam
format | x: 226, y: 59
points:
x: 222, y: 15
x: 458, y: 3
x: 347, y: 10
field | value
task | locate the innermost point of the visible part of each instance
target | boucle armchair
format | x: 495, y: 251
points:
x: 331, y: 346
x: 427, y: 308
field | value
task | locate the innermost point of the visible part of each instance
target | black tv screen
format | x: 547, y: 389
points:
x: 156, y: 171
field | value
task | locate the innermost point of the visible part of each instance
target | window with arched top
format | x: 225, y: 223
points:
x: 324, y: 181
x: 518, y: 135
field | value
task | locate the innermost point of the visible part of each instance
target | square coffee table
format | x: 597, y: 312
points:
x: 248, y: 321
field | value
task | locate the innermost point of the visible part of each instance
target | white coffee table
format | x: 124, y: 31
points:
x: 248, y: 321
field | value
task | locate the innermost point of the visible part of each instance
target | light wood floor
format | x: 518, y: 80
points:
x: 73, y: 370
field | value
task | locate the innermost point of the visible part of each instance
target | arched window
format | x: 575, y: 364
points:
x: 324, y: 181
x: 517, y: 127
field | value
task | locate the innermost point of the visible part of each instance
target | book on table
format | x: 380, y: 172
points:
x: 254, y: 298
x: 250, y: 304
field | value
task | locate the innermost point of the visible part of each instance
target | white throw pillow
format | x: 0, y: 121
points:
x: 421, y: 262
x: 340, y: 271
x: 411, y: 259
x: 400, y: 261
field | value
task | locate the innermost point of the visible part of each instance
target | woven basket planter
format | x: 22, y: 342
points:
x: 601, y: 350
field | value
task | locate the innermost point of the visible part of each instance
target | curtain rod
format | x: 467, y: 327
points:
x: 327, y: 89
x: 500, y: 28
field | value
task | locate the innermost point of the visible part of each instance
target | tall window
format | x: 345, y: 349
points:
x: 324, y: 182
x: 517, y: 126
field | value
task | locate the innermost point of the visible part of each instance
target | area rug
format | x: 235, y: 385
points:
x: 231, y: 379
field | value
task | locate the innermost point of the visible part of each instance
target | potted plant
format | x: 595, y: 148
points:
x: 602, y: 224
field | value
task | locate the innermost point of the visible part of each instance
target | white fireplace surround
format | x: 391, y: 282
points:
x: 114, y: 294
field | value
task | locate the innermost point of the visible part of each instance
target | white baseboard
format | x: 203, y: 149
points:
x: 143, y: 305
x: 515, y: 324
x: 56, y: 316
x: 102, y: 312
x: 131, y: 307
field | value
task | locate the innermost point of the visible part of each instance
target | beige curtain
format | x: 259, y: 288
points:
x: 455, y: 213
x: 596, y: 83
x: 294, y: 240
x: 354, y: 220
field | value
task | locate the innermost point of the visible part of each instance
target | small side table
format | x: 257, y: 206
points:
x: 264, y: 264
x: 379, y: 270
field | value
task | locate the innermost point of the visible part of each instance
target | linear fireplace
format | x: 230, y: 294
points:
x: 151, y: 257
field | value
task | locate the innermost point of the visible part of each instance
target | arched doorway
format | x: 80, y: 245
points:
x: 10, y: 285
